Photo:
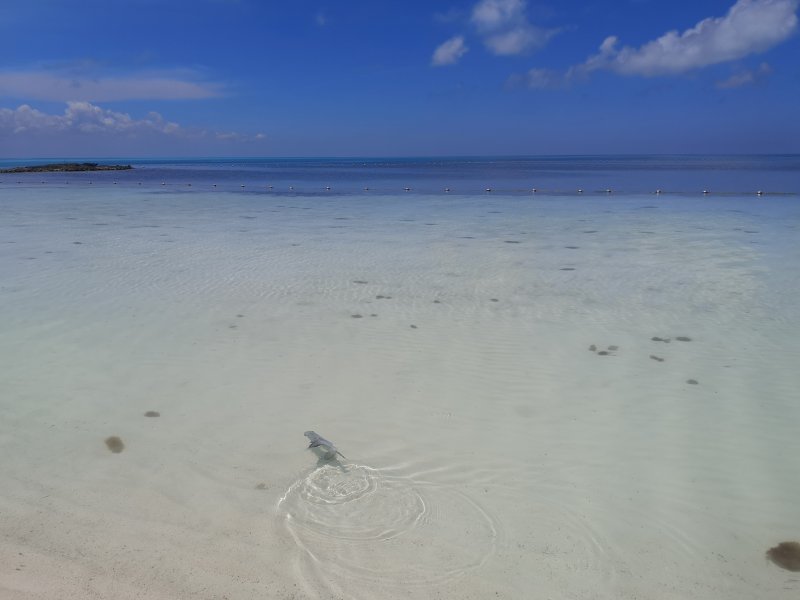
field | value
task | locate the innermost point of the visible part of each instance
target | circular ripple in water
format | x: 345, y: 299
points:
x: 356, y: 521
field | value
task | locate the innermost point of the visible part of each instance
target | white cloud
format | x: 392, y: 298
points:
x: 746, y: 77
x: 88, y: 119
x: 60, y: 87
x: 518, y: 40
x: 490, y: 15
x: 543, y: 79
x: 751, y: 26
x: 505, y: 27
x: 449, y: 52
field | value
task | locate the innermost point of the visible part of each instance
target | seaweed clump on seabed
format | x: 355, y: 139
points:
x: 786, y: 555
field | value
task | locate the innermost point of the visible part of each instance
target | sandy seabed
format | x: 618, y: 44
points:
x: 538, y: 398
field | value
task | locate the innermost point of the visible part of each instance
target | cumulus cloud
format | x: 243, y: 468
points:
x: 449, y: 52
x: 61, y: 87
x: 505, y: 28
x: 541, y: 79
x: 750, y: 27
x: 746, y: 77
x: 89, y: 119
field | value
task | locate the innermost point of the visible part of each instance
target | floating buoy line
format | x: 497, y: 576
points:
x: 256, y: 188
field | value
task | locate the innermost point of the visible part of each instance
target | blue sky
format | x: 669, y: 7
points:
x: 398, y: 78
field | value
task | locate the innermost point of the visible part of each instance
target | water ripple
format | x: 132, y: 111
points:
x: 355, y: 521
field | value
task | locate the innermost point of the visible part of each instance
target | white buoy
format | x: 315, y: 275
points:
x: 163, y: 183
x: 705, y: 191
x: 327, y: 187
x: 291, y: 187
x: 534, y: 190
x: 241, y: 186
x: 759, y: 193
x: 446, y: 189
x: 608, y: 190
x: 658, y: 191
x: 580, y: 190
x: 366, y: 189
x: 407, y: 189
x: 488, y: 189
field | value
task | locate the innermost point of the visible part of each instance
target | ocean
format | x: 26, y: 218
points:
x: 589, y: 390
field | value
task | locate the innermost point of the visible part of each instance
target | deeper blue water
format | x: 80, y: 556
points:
x: 463, y: 175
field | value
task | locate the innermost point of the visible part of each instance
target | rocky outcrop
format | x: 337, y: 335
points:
x: 64, y: 167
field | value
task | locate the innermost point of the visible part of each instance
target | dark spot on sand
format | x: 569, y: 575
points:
x: 77, y: 243
x: 413, y: 326
x: 437, y: 301
x: 683, y: 338
x: 239, y: 316
x: 658, y: 358
x: 233, y: 326
x: 572, y: 247
x: 592, y: 348
x: 566, y: 269
x: 590, y: 231
x: 692, y: 381
x: 261, y: 486
x: 152, y: 413
x: 658, y: 339
x: 382, y: 297
x: 361, y: 281
x: 115, y: 444
x: 511, y: 242
x: 750, y: 231
x: 613, y: 348
x: 466, y: 237
x: 374, y: 315
x: 786, y: 555
x: 493, y: 300
x: 604, y: 353
x: 356, y: 316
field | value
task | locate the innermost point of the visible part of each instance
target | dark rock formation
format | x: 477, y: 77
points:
x: 64, y: 167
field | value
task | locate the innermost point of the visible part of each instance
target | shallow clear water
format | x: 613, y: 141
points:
x: 443, y: 342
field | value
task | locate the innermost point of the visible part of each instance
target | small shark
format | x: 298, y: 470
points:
x: 317, y: 441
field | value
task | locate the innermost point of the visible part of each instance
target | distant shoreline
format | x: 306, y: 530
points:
x: 66, y: 167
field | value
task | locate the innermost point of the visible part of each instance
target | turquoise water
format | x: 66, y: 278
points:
x: 492, y: 364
